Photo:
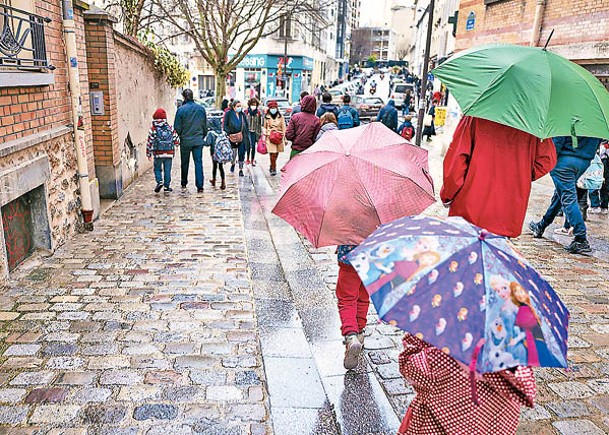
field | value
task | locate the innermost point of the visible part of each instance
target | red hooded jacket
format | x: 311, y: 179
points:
x: 488, y: 171
x: 304, y: 126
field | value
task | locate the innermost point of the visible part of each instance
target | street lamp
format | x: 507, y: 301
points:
x: 422, y: 105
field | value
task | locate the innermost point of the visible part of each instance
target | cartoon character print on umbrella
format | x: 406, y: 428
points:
x: 446, y: 311
x: 521, y: 328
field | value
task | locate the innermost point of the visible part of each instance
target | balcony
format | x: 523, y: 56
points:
x: 22, y: 40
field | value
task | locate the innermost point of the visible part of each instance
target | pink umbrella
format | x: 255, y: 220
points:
x: 351, y: 181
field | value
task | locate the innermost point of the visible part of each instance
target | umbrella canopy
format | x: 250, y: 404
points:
x: 350, y: 181
x: 528, y: 88
x: 452, y: 284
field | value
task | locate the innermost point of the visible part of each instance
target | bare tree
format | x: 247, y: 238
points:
x: 225, y: 31
x: 131, y: 13
x: 361, y: 45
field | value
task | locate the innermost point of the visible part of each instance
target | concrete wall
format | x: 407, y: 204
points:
x: 141, y: 89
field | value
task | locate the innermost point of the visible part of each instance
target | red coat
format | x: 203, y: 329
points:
x: 444, y: 403
x: 488, y: 171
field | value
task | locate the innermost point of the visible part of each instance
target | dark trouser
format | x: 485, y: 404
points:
x: 274, y: 161
x: 162, y: 168
x: 197, y: 157
x: 216, y: 166
x: 600, y: 198
x: 565, y: 176
x: 239, y: 152
x: 251, y: 146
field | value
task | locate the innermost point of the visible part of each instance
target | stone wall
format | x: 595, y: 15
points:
x: 581, y: 27
x: 140, y: 90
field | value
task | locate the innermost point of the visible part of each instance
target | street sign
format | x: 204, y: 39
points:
x: 430, y: 77
x: 471, y: 21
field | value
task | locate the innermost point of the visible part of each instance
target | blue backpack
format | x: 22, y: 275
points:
x: 164, y: 138
x: 223, y: 153
x: 345, y: 118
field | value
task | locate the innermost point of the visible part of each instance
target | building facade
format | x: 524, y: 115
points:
x: 581, y: 28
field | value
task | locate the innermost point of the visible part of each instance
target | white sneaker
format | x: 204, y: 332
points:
x: 353, y: 349
x: 562, y: 231
x: 604, y: 211
x: 595, y: 210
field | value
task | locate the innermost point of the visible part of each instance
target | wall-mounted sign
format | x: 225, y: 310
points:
x: 471, y: 21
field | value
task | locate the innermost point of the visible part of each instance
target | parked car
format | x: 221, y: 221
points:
x: 399, y: 92
x: 367, y: 107
x: 285, y: 108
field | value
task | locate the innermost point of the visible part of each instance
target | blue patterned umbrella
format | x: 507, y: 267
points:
x: 459, y: 287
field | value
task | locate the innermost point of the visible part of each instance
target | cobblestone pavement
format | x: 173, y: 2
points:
x: 144, y: 326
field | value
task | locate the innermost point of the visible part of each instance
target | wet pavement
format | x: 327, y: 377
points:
x: 206, y: 314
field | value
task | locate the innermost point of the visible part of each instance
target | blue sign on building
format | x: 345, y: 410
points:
x: 471, y: 21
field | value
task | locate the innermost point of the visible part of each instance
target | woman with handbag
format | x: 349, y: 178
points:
x: 254, y: 121
x: 428, y: 122
x: 237, y: 130
x: 274, y: 134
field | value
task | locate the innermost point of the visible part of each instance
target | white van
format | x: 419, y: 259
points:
x: 399, y: 92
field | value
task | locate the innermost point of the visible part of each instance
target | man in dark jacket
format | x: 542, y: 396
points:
x: 573, y: 160
x: 303, y: 127
x: 327, y: 105
x: 350, y: 112
x: 191, y: 125
x: 388, y: 115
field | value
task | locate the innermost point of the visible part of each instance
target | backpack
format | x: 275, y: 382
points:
x: 592, y: 179
x: 223, y: 152
x: 407, y: 132
x: 164, y: 138
x: 345, y: 118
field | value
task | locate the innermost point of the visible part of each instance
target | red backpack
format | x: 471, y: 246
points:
x: 407, y: 132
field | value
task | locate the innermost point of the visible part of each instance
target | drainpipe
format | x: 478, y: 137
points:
x: 69, y: 30
x: 539, y: 9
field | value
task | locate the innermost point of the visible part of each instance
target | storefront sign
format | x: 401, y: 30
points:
x: 253, y: 62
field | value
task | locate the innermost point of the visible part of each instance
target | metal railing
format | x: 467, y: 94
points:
x: 22, y: 39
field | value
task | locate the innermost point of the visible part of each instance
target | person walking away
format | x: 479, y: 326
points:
x: 303, y: 127
x: 274, y: 134
x: 353, y: 302
x: 161, y: 144
x: 429, y: 129
x: 407, y: 130
x: 316, y: 92
x: 254, y: 121
x: 237, y: 130
x: 406, y: 104
x: 445, y: 404
x: 599, y: 199
x: 327, y: 105
x: 191, y: 125
x: 573, y: 160
x: 328, y: 123
x: 298, y: 108
x: 220, y: 150
x: 388, y: 115
x: 347, y: 115
x: 488, y: 170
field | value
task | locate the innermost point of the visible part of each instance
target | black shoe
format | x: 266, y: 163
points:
x: 199, y: 190
x: 536, y: 229
x: 232, y: 168
x: 273, y: 172
x: 579, y: 247
x: 240, y: 173
x: 158, y: 187
x: 183, y: 187
x: 168, y: 189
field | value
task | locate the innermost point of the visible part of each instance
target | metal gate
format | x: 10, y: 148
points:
x: 17, y: 225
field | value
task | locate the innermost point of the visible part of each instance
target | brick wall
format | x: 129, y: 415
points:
x: 27, y: 110
x: 582, y: 23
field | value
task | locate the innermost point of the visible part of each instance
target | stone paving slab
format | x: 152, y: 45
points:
x: 145, y: 325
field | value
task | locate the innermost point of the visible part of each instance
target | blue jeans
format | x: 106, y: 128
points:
x: 251, y: 146
x: 565, y: 176
x: 162, y: 167
x: 197, y: 157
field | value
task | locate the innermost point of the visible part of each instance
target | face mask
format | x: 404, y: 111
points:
x: 252, y: 108
x: 238, y: 109
x: 273, y: 111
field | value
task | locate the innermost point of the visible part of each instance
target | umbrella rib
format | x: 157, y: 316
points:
x: 366, y: 191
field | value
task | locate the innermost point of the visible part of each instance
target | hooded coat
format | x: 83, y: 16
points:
x: 488, y: 171
x: 304, y: 126
x: 388, y: 115
x: 444, y: 403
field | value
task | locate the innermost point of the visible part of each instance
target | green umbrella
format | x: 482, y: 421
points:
x: 528, y: 88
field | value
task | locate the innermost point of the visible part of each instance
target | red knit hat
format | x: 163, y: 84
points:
x: 160, y: 114
x: 272, y: 103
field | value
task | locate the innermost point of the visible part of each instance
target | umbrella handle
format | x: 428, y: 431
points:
x: 472, y: 371
x: 573, y: 133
